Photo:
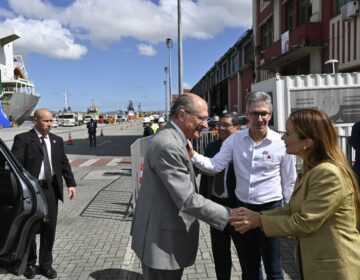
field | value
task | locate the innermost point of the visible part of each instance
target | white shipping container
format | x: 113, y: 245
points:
x: 336, y: 94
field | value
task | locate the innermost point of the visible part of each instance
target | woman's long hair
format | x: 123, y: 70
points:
x: 316, y: 125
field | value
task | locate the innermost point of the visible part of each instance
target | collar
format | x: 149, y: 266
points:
x: 270, y: 135
x: 38, y: 133
x: 183, y: 137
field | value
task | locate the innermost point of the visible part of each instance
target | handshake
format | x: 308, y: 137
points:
x: 243, y: 219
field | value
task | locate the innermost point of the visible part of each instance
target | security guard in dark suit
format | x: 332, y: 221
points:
x: 42, y: 154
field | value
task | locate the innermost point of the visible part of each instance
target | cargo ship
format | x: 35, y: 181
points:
x: 17, y: 92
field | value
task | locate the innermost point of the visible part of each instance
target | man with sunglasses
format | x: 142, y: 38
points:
x: 165, y: 226
x: 265, y: 177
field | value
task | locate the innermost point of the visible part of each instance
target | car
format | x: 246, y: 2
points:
x: 55, y: 123
x: 22, y: 207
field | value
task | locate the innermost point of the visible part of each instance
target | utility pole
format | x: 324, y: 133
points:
x: 180, y: 59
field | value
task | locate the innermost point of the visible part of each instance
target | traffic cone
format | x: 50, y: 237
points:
x: 70, y: 141
x: 101, y: 133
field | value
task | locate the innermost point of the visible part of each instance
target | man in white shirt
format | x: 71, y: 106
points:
x: 265, y: 177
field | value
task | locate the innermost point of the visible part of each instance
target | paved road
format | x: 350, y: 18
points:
x: 93, y: 239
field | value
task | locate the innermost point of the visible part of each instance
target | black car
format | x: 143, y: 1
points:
x: 22, y: 208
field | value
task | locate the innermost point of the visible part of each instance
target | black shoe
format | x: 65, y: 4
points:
x: 30, y: 271
x: 49, y: 273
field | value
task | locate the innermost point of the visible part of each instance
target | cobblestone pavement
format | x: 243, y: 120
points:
x: 93, y: 239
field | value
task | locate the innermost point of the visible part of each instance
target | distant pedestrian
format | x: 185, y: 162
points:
x: 161, y: 123
x: 91, y: 126
x: 154, y: 124
x: 42, y: 154
x: 355, y: 143
x: 147, y: 128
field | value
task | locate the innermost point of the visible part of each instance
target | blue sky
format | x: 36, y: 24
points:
x: 114, y: 51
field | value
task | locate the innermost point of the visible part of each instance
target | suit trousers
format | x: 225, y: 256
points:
x: 161, y: 274
x: 92, y: 138
x: 256, y: 245
x: 47, y: 229
x: 221, y: 244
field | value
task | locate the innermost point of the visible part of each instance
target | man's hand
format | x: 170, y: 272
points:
x: 71, y: 192
x: 243, y: 219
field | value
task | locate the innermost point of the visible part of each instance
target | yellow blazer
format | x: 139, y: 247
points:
x: 321, y: 215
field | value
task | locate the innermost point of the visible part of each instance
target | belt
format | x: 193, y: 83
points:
x: 45, y: 183
x: 249, y: 205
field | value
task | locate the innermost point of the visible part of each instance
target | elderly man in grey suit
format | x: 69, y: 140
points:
x: 165, y: 227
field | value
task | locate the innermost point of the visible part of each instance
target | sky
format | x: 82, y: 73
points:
x: 108, y: 52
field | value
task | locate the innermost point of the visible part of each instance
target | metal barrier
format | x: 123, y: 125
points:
x: 138, y: 151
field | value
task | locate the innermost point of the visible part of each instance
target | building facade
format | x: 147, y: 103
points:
x: 294, y: 37
x: 289, y: 37
x: 225, y: 85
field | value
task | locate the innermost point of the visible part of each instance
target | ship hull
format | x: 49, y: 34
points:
x: 18, y: 108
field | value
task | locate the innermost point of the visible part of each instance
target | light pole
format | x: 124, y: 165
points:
x: 169, y: 44
x: 166, y: 94
x: 180, y: 63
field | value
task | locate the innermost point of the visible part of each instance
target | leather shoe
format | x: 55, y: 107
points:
x: 49, y: 273
x: 30, y: 271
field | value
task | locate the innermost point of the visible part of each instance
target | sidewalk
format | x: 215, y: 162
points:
x: 93, y: 239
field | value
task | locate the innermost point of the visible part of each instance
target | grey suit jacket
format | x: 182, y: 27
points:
x: 165, y: 228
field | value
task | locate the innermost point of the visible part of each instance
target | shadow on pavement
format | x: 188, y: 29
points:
x: 105, y: 146
x: 112, y: 273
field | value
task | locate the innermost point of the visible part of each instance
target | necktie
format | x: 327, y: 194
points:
x: 219, y: 183
x: 47, y: 167
x: 189, y: 152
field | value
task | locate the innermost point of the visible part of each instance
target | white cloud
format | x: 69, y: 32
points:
x: 103, y: 22
x: 187, y: 86
x: 45, y: 37
x: 146, y: 50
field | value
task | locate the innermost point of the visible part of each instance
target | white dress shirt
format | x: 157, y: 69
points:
x: 264, y: 171
x: 48, y: 147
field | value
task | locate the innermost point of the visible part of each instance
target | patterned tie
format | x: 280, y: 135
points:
x: 219, y: 183
x: 47, y: 167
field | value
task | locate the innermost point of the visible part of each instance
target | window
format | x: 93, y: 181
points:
x: 235, y: 62
x: 305, y: 11
x: 290, y: 16
x: 217, y: 76
x: 224, y: 70
x: 267, y: 34
x: 337, y: 4
x: 248, y: 53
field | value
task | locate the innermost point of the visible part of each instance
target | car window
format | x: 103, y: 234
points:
x: 9, y: 197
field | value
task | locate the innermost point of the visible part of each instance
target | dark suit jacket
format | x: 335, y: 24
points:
x: 28, y: 151
x: 206, y: 183
x: 91, y: 126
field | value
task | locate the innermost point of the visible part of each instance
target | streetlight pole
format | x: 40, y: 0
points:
x: 166, y: 94
x: 169, y: 44
x: 180, y: 62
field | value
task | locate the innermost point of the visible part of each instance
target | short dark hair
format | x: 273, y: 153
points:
x: 235, y: 119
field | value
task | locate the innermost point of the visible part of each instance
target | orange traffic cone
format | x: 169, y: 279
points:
x: 70, y: 141
x: 101, y: 133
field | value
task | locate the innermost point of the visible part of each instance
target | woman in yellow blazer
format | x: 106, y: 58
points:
x: 324, y: 208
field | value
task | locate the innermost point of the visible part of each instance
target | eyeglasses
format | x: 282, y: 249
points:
x: 200, y: 118
x: 225, y: 125
x: 255, y: 115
